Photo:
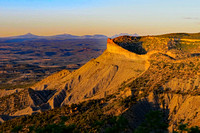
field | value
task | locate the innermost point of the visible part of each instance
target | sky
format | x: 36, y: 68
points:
x: 108, y: 17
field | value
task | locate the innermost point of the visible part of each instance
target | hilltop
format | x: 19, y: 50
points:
x: 181, y: 35
x: 133, y: 76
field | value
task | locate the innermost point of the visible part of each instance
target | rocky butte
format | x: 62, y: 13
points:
x: 133, y: 76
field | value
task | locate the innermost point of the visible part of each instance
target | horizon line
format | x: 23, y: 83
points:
x: 94, y: 34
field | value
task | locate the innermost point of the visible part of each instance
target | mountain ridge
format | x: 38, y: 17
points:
x: 133, y: 76
x: 59, y: 36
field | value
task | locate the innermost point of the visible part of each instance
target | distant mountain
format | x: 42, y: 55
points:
x: 94, y: 36
x: 64, y: 36
x: 69, y: 36
x: 123, y: 34
x: 100, y: 36
x: 28, y: 35
x: 60, y: 36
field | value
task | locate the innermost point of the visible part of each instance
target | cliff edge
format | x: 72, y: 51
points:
x: 113, y: 47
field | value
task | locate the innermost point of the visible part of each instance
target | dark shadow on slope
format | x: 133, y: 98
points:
x: 130, y: 43
x: 58, y: 99
x: 89, y: 116
x: 195, y: 54
x: 6, y: 117
x: 40, y: 97
x: 169, y: 56
x: 137, y: 114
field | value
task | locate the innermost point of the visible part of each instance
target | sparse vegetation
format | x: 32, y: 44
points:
x: 154, y: 122
x: 151, y: 90
x: 87, y: 117
x: 183, y: 128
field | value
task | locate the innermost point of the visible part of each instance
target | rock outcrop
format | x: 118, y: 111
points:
x: 99, y: 77
x: 4, y: 92
x: 112, y: 47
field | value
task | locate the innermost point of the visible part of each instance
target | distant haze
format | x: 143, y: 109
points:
x: 107, y: 17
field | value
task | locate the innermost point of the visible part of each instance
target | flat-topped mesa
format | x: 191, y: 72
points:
x: 143, y: 47
x: 125, y: 50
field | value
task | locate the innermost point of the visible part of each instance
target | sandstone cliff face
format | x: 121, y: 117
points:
x: 14, y: 102
x: 112, y: 47
x: 176, y: 108
x: 51, y: 81
x: 170, y: 85
x: 183, y: 109
x: 183, y: 100
x: 25, y: 102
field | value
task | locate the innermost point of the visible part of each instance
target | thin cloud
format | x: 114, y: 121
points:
x: 191, y: 18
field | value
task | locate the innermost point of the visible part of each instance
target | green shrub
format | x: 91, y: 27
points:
x: 184, y: 128
x: 118, y: 124
x: 17, y: 129
x: 56, y: 128
x: 154, y: 122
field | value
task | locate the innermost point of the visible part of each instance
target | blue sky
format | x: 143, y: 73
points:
x: 79, y: 17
